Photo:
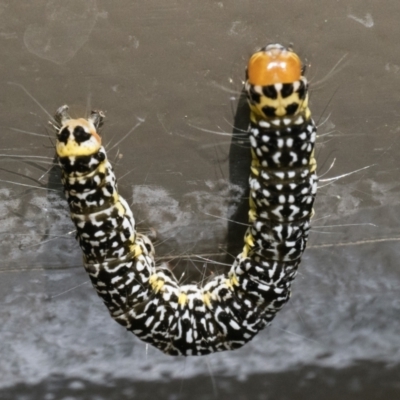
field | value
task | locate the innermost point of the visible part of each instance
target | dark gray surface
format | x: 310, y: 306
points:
x: 176, y: 69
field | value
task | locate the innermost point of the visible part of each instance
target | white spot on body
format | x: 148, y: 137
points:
x: 276, y: 157
x: 299, y: 120
x: 265, y: 138
x: 287, y: 121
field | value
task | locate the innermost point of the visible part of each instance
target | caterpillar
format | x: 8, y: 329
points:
x: 230, y: 309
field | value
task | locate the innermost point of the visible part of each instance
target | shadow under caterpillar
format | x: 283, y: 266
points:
x: 229, y: 310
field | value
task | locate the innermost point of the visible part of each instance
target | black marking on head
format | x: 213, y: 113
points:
x: 292, y: 108
x: 81, y: 135
x: 302, y: 90
x: 269, y: 111
x: 287, y: 90
x: 270, y: 92
x: 254, y: 96
x: 63, y: 136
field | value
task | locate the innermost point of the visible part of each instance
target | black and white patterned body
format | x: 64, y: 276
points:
x: 229, y: 310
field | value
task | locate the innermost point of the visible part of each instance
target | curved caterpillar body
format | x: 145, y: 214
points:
x: 230, y: 309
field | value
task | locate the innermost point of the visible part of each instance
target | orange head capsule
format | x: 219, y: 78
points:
x: 274, y: 64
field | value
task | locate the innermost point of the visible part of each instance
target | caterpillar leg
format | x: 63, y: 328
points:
x: 231, y: 309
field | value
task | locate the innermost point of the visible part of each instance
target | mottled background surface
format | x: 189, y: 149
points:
x: 170, y: 73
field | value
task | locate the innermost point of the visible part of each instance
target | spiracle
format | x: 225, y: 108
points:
x: 230, y: 309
